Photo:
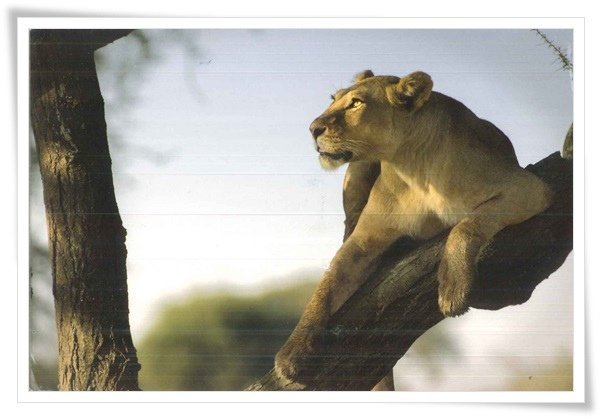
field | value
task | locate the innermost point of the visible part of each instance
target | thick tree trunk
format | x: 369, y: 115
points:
x: 86, y: 235
x: 368, y: 335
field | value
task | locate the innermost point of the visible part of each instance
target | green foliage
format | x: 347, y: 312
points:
x: 221, y: 342
x: 565, y: 62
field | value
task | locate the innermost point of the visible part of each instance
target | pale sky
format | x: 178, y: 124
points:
x: 219, y: 186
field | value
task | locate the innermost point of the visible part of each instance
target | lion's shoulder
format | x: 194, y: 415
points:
x: 464, y: 125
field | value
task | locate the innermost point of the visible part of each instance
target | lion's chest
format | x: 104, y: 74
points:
x: 422, y: 196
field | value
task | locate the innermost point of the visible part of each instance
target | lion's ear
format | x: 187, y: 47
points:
x: 412, y: 91
x: 363, y: 75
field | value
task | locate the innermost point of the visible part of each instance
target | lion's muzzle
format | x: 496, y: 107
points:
x: 317, y: 128
x: 344, y: 155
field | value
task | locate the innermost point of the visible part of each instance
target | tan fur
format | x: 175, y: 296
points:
x: 420, y: 163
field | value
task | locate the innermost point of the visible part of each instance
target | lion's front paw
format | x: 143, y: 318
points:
x: 296, y: 360
x: 287, y: 367
x: 454, y: 287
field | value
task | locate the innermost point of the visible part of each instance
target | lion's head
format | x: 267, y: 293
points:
x: 360, y: 122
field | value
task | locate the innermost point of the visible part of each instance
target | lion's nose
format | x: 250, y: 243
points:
x: 316, y: 129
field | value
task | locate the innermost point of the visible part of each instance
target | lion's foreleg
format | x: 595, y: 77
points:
x: 358, y: 182
x: 347, y: 272
x: 457, y: 270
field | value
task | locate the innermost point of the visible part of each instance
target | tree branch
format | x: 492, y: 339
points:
x: 378, y: 324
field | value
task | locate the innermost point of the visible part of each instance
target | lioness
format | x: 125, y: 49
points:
x: 420, y: 162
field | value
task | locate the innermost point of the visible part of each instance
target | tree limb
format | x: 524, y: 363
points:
x: 378, y: 324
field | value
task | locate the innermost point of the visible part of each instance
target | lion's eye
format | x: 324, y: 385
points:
x: 356, y: 102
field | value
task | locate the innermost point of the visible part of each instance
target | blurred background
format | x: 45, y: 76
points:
x: 231, y: 220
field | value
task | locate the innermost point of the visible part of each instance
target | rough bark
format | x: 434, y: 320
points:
x: 368, y: 335
x: 86, y: 235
